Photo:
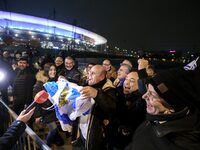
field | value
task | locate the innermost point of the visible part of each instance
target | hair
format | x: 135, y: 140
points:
x: 107, y: 60
x: 71, y: 58
x: 90, y: 64
x: 129, y: 62
x: 23, y: 58
x: 17, y: 52
x: 47, y: 67
x: 127, y: 66
x: 151, y: 67
x: 59, y: 56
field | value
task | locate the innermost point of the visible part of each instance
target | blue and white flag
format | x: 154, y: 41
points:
x: 192, y: 65
x: 68, y: 102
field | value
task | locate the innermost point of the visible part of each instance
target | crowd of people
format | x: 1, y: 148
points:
x: 135, y: 108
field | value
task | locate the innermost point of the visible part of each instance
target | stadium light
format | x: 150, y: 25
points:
x: 2, y: 75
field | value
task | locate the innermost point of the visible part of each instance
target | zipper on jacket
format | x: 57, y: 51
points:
x: 88, y: 133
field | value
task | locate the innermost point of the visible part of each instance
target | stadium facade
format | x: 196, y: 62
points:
x: 21, y: 30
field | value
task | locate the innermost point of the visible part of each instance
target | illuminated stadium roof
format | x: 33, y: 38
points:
x: 26, y: 22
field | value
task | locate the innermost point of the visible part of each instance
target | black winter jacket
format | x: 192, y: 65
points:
x: 72, y: 75
x: 131, y: 113
x: 103, y: 109
x: 179, y: 134
x: 10, y: 137
x: 23, y: 89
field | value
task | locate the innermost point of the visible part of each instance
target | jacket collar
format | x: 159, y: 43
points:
x: 186, y: 123
x: 132, y: 95
x: 99, y: 84
x: 168, y: 117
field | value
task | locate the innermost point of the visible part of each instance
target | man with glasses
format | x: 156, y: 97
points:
x: 111, y: 71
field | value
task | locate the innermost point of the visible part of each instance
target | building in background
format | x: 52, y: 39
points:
x: 19, y: 30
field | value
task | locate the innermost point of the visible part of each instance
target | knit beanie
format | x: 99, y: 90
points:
x: 176, y: 87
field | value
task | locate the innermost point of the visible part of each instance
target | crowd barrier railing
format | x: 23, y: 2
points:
x: 29, y: 140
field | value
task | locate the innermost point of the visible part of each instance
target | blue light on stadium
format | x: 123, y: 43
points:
x: 36, y: 24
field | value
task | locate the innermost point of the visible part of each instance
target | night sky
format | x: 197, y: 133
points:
x: 130, y: 24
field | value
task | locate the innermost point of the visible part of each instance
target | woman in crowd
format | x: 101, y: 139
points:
x: 59, y: 63
x: 172, y: 120
x: 47, y: 116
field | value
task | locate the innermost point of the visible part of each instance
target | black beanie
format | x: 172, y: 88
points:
x: 175, y: 87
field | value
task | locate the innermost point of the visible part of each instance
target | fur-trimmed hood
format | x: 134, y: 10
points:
x: 40, y: 76
x: 108, y: 84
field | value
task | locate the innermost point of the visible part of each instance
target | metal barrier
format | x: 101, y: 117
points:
x: 29, y: 140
